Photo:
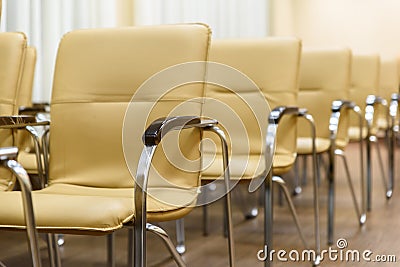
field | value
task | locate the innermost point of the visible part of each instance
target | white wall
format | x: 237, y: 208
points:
x: 363, y: 25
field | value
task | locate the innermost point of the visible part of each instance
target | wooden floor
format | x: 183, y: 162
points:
x: 381, y: 234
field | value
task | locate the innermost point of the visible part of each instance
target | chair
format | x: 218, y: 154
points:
x: 365, y: 76
x: 12, y: 54
x: 387, y: 119
x: 324, y: 87
x: 91, y: 190
x: 364, y: 82
x: 12, y: 49
x: 242, y: 108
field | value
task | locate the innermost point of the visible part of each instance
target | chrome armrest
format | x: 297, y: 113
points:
x: 151, y: 138
x: 279, y: 112
x: 371, y: 102
x: 18, y: 122
x: 26, y: 122
x: 160, y: 127
x: 337, y: 106
x: 7, y: 160
x: 394, y: 103
x: 273, y: 122
x: 374, y: 99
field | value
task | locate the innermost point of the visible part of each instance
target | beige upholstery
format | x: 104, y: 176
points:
x: 272, y: 63
x: 324, y: 77
x: 24, y: 142
x: 12, y: 54
x: 364, y: 81
x: 97, y: 72
x: 388, y: 84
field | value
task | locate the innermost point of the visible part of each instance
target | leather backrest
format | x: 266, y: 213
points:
x: 28, y: 73
x: 388, y: 84
x: 389, y: 78
x: 324, y: 76
x: 12, y: 54
x: 97, y: 73
x: 272, y: 64
x: 364, y: 81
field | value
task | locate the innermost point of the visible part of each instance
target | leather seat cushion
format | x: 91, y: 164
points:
x: 64, y: 208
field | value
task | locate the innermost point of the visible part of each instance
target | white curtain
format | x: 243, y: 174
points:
x: 46, y: 21
x: 227, y: 18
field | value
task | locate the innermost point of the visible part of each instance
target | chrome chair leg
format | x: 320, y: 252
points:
x: 248, y: 203
x: 304, y: 178
x: 54, y: 251
x: 297, y: 184
x: 167, y: 241
x: 278, y: 180
x: 205, y: 220
x: 111, y: 250
x: 391, y: 155
x: 386, y: 185
x: 361, y: 213
x: 331, y: 196
x: 268, y: 215
x: 60, y: 239
x: 228, y: 208
x: 130, y: 246
x: 26, y: 188
x: 180, y: 236
x: 370, y: 139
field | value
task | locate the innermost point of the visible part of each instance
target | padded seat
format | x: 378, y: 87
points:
x: 100, y: 209
x: 304, y: 145
x: 354, y: 132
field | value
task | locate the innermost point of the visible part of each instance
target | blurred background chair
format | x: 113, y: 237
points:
x: 90, y: 188
x: 387, y: 118
x: 12, y: 53
x: 13, y: 50
x: 324, y: 89
x: 261, y: 150
x: 365, y: 88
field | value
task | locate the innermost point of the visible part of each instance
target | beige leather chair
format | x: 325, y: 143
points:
x: 242, y: 109
x: 388, y: 121
x: 364, y: 82
x: 388, y: 85
x: 92, y: 169
x: 13, y: 47
x: 324, y: 87
x: 364, y: 92
x: 12, y: 54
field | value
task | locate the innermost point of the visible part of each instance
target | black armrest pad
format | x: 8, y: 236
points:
x: 279, y: 112
x: 162, y: 126
x: 337, y: 105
